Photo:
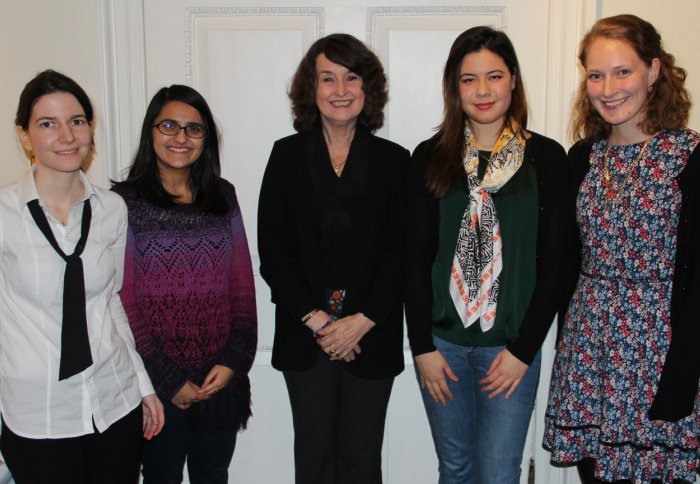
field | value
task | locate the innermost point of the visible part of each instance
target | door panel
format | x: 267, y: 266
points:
x: 241, y: 56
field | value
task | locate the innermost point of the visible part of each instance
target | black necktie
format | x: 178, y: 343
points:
x: 75, y: 344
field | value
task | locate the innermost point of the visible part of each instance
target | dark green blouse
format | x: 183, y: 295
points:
x: 517, y: 210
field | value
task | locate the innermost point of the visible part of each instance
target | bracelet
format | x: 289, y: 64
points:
x: 318, y: 330
x: 309, y: 315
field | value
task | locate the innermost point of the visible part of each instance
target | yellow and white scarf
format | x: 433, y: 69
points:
x: 478, y: 260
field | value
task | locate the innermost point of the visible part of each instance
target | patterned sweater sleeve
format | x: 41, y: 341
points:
x: 165, y: 375
x: 239, y: 351
x: 117, y: 310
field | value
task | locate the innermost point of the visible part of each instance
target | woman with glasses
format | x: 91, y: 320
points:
x: 188, y: 288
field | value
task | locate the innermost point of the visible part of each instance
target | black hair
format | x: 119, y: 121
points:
x: 205, y: 176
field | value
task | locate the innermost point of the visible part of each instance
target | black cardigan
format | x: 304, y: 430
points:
x: 678, y: 386
x: 290, y: 252
x: 549, y: 160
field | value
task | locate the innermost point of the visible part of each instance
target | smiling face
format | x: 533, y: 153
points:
x: 177, y: 152
x: 485, y: 89
x: 58, y: 133
x: 339, y: 95
x: 617, y: 82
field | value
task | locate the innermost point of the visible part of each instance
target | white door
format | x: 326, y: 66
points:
x: 241, y: 56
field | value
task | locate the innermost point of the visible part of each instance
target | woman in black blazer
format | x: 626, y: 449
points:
x: 331, y: 244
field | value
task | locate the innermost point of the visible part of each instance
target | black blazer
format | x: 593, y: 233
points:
x: 675, y: 397
x: 289, y: 245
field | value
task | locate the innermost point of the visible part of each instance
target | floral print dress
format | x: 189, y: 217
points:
x: 617, y: 331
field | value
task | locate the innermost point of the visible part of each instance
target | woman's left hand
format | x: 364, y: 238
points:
x: 219, y: 376
x: 153, y: 418
x: 341, y: 338
x: 504, y: 374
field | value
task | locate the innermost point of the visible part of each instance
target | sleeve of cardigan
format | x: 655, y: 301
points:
x: 165, y: 375
x: 421, y: 247
x: 279, y: 265
x: 551, y: 253
x: 386, y: 285
x: 239, y: 352
x: 678, y: 386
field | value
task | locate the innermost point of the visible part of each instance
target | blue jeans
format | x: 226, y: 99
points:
x: 477, y: 440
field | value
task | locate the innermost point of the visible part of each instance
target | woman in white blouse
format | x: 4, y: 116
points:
x: 74, y: 395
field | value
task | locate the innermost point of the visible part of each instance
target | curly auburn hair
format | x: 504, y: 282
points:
x: 668, y: 104
x: 346, y: 50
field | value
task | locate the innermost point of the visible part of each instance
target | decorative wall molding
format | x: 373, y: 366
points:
x: 123, y: 80
x: 568, y: 22
x: 376, y: 13
x: 192, y: 14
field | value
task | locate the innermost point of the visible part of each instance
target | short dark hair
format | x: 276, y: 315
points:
x: 346, y: 50
x: 446, y: 159
x: 48, y: 82
x: 668, y: 103
x: 206, y: 171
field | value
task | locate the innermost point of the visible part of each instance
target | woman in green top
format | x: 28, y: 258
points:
x: 486, y: 241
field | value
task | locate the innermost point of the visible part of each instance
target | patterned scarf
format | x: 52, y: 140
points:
x: 477, y: 263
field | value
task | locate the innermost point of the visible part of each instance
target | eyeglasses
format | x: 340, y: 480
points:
x: 170, y: 128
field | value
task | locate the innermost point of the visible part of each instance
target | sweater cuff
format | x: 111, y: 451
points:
x: 167, y: 380
x: 425, y: 345
x: 522, y: 351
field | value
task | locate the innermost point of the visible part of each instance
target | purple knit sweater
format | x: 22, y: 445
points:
x: 189, y: 294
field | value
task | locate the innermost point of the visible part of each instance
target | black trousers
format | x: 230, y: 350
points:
x: 208, y: 451
x: 338, y: 424
x: 586, y: 469
x: 112, y: 457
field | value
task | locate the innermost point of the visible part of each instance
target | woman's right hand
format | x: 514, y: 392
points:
x: 153, y: 418
x: 432, y: 368
x: 187, y: 395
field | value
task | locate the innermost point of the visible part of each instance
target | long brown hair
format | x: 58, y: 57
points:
x: 445, y: 162
x: 668, y: 104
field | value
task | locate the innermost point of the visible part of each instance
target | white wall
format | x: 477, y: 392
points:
x: 63, y: 35
x: 42, y: 34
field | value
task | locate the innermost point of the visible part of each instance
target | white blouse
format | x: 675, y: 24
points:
x: 33, y: 402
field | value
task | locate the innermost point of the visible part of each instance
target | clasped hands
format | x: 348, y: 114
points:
x: 340, y: 340
x: 217, y: 379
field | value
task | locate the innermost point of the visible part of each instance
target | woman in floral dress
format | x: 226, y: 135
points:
x: 623, y: 401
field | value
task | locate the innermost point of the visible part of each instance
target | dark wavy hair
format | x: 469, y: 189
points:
x: 668, y: 104
x: 205, y: 175
x: 445, y: 162
x: 349, y: 52
x: 49, y: 82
